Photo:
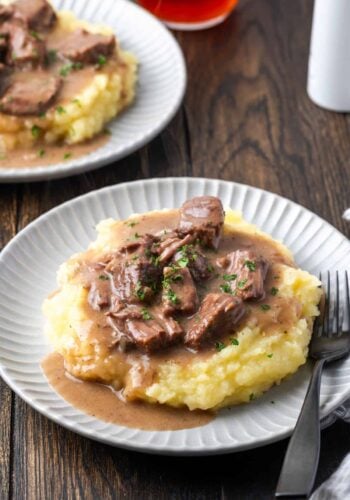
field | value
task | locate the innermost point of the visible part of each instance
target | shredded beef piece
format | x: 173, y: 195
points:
x: 217, y: 316
x: 85, y: 47
x: 171, y: 244
x: 203, y: 216
x: 179, y: 292
x: 192, y: 257
x: 37, y: 14
x: 24, y: 50
x: 247, y: 273
x: 30, y: 96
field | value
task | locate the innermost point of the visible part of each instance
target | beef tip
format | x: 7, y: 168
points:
x: 245, y: 273
x: 170, y: 245
x: 30, y: 94
x: 37, y: 14
x: 24, y: 50
x: 6, y: 12
x: 191, y: 256
x: 146, y: 243
x: 145, y: 329
x: 179, y: 291
x: 99, y: 296
x: 218, y: 314
x: 204, y: 217
x: 85, y: 47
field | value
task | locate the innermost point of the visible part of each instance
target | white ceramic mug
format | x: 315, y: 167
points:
x: 328, y: 82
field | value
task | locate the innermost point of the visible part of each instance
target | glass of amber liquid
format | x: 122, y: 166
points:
x: 190, y: 14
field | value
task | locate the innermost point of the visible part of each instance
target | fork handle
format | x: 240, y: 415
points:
x: 299, y: 468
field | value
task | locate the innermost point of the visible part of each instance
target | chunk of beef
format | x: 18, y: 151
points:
x: 24, y: 50
x: 85, y: 47
x: 144, y: 329
x: 6, y: 12
x: 37, y: 14
x: 170, y: 245
x: 30, y: 94
x: 179, y: 292
x: 198, y: 264
x: 217, y: 315
x: 246, y: 273
x: 203, y: 216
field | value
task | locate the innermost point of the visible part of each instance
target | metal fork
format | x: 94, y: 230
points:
x: 330, y: 341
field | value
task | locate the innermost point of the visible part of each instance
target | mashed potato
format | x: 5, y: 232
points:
x: 238, y: 373
x: 106, y: 92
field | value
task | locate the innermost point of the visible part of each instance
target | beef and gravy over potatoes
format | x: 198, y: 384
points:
x: 185, y: 308
x: 61, y: 81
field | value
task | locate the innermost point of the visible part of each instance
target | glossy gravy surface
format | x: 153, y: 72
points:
x: 101, y: 402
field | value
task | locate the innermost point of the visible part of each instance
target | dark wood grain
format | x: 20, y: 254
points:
x: 246, y: 117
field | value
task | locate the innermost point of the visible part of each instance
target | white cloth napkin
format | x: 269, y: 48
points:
x: 337, y: 487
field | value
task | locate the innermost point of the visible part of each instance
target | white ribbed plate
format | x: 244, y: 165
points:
x: 160, y: 88
x: 28, y: 268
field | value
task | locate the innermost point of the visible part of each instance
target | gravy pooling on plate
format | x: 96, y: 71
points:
x: 178, y: 307
x: 61, y: 81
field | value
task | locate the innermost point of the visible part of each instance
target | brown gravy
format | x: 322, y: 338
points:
x: 101, y: 402
x: 53, y: 154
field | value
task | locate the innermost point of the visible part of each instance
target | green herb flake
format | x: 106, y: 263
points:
x: 171, y: 295
x: 234, y: 341
x: 77, y: 102
x: 60, y: 110
x: 136, y: 236
x: 274, y: 291
x: 131, y: 223
x: 210, y: 268
x: 241, y: 284
x: 103, y: 277
x: 225, y: 288
x: 229, y: 277
x: 36, y: 131
x: 250, y: 264
x: 66, y: 69
x: 251, y: 396
x: 219, y: 346
x: 52, y: 56
x: 35, y: 35
x: 183, y: 262
x: 101, y: 60
x: 265, y: 307
x: 41, y: 153
x: 145, y: 314
x: 269, y: 355
x: 140, y: 292
x: 134, y: 257
x: 66, y: 156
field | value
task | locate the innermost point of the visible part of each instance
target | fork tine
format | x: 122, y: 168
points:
x: 347, y: 299
x: 338, y: 322
x: 326, y: 316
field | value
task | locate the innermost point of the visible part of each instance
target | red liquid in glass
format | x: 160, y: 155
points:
x: 189, y: 11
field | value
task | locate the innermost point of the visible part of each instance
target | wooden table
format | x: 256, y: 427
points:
x: 246, y: 117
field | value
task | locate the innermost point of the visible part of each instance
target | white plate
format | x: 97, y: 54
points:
x: 160, y: 89
x: 28, y: 268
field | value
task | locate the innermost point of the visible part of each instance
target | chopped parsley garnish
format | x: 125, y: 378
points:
x: 134, y: 257
x: 155, y: 259
x: 251, y: 396
x: 103, y: 277
x: 145, y: 314
x: 265, y: 307
x: 52, y: 56
x: 229, y: 277
x: 234, y: 341
x: 241, y: 283
x: 131, y: 223
x: 136, y: 236
x: 66, y: 69
x: 35, y: 35
x: 250, y: 264
x: 60, y: 110
x: 41, y: 153
x: 183, y: 262
x: 225, y: 288
x: 210, y: 268
x: 171, y: 295
x: 177, y: 277
x: 274, y: 291
x: 42, y: 115
x: 66, y: 156
x: 77, y: 102
x: 101, y: 60
x: 36, y: 131
x: 140, y: 292
x: 219, y: 346
x: 269, y: 355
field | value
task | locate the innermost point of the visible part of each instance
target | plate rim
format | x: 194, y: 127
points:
x: 74, y: 167
x: 155, y: 448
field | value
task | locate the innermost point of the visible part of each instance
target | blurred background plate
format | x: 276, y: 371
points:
x: 28, y: 267
x: 159, y: 93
